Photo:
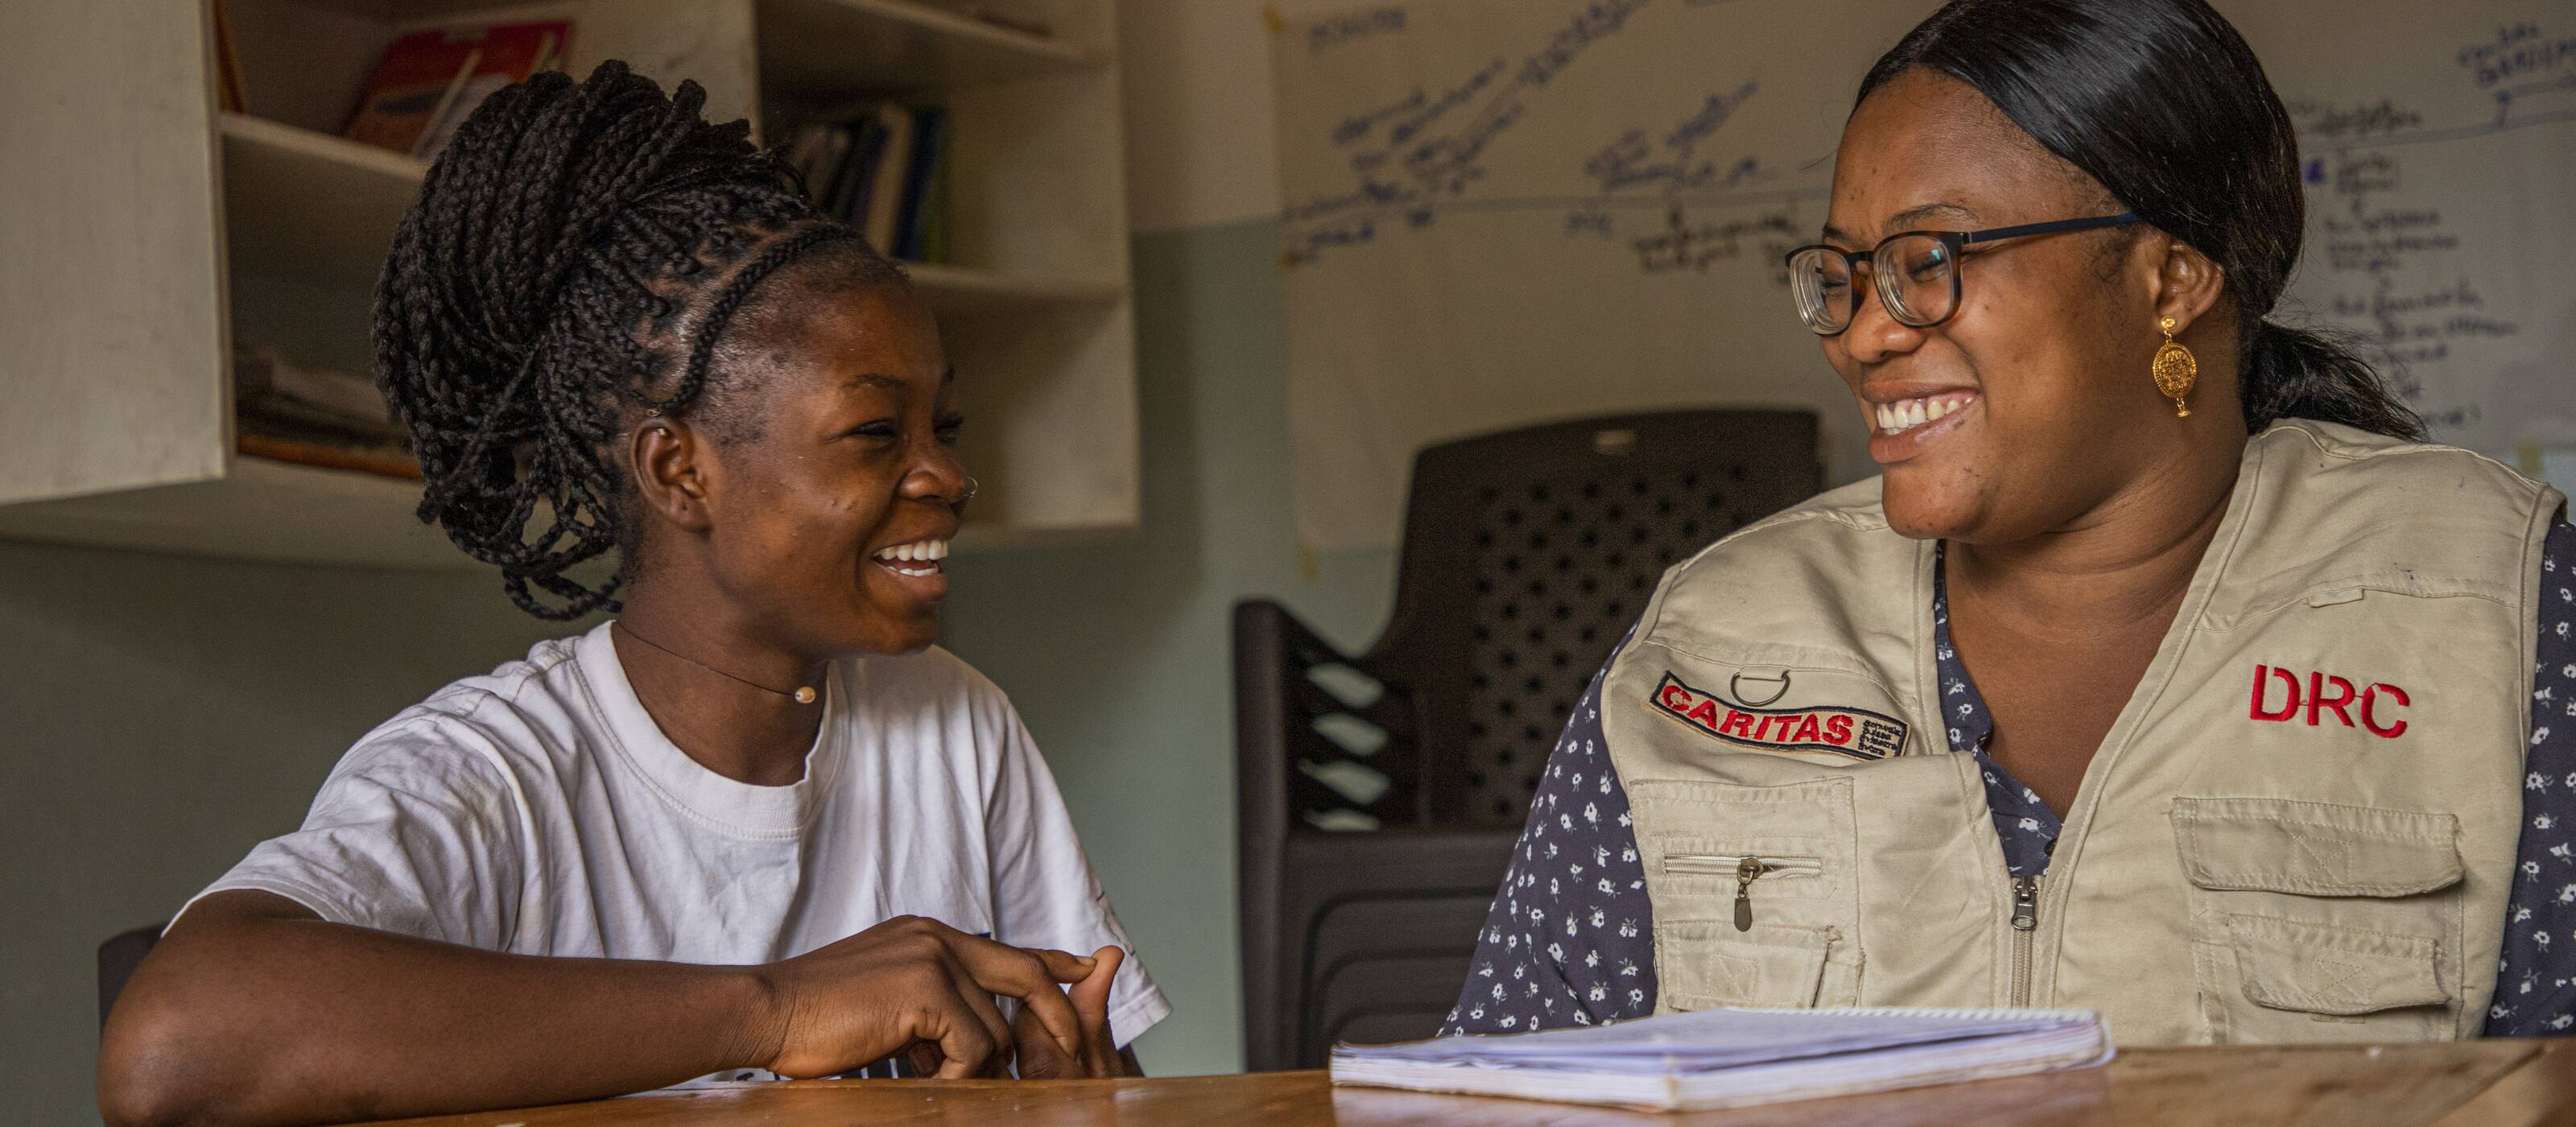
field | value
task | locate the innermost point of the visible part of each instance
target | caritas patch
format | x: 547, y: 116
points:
x: 1855, y: 732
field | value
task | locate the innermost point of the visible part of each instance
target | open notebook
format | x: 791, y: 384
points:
x: 1737, y: 1058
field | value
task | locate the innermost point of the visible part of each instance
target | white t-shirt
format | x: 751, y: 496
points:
x: 539, y: 810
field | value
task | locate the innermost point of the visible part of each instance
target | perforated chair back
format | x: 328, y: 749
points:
x: 1379, y: 794
x: 1528, y: 554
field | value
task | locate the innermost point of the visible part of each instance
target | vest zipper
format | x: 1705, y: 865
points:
x: 1745, y: 870
x: 2025, y: 922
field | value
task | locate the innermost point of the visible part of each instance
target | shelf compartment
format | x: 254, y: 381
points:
x: 274, y: 175
x: 310, y: 205
x: 822, y: 48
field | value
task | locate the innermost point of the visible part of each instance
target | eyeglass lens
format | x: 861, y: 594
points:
x: 1916, y: 277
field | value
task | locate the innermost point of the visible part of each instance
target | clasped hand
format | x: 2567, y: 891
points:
x: 920, y: 989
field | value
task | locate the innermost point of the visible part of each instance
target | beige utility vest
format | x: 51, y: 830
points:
x: 2301, y: 828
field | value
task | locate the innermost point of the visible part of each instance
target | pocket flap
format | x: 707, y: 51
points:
x: 2315, y: 848
x: 1700, y: 964
x: 2314, y: 968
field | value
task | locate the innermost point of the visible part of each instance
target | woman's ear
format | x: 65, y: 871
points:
x: 671, y: 474
x: 2187, y: 283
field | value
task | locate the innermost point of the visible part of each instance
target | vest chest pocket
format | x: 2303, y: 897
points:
x: 2316, y: 922
x: 1754, y: 896
x: 1705, y: 964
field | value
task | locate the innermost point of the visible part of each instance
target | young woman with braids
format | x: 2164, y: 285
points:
x: 756, y: 826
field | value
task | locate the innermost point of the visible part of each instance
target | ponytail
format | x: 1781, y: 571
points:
x: 2303, y: 374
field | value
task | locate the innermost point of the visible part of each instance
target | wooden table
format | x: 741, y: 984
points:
x: 2469, y: 1084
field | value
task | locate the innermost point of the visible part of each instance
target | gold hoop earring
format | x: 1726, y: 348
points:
x: 2175, y: 369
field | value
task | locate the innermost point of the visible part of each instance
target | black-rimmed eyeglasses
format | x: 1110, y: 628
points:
x: 1916, y: 272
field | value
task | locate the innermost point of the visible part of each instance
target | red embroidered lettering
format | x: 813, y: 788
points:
x: 1841, y: 730
x: 2317, y: 700
x: 2370, y: 711
x: 2288, y: 708
x: 2325, y: 693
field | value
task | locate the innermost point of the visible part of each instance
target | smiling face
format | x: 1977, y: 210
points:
x: 819, y: 488
x: 849, y: 497
x: 2030, y: 406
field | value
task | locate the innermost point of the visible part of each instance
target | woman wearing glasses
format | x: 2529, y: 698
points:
x: 2165, y: 671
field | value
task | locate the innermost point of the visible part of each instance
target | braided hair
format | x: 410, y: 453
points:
x: 538, y: 295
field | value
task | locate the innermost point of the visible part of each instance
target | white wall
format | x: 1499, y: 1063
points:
x: 1199, y: 150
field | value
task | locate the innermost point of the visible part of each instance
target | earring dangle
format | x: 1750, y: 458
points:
x: 2175, y: 369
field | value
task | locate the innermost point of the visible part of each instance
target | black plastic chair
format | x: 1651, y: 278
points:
x: 117, y: 959
x: 1379, y: 794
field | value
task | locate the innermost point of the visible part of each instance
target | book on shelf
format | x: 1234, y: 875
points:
x: 932, y: 217
x: 885, y: 195
x: 263, y: 377
x: 327, y: 455
x: 904, y: 240
x: 883, y: 170
x: 1726, y: 1058
x: 851, y: 182
x: 428, y: 82
x: 292, y: 412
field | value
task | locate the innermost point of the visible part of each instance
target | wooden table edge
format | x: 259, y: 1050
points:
x: 2538, y: 1092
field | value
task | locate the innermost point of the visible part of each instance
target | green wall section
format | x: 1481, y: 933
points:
x: 1118, y: 655
x: 160, y: 715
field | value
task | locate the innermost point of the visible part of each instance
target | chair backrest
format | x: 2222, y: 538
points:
x: 1528, y: 554
x: 117, y: 959
x: 1387, y: 926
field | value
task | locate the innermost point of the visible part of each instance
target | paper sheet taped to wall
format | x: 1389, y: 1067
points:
x: 1497, y: 214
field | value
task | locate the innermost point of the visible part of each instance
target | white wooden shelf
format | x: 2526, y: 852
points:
x: 183, y: 229
x: 827, y: 47
x: 281, y: 512
x: 260, y: 510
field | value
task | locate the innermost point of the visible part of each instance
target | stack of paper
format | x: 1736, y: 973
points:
x: 1737, y: 1058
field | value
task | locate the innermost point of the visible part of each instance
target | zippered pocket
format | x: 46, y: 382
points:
x: 1789, y: 936
x: 1745, y: 868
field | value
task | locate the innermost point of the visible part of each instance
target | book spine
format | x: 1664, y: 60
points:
x: 858, y: 172
x: 885, y: 198
x: 935, y: 223
x: 931, y: 128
